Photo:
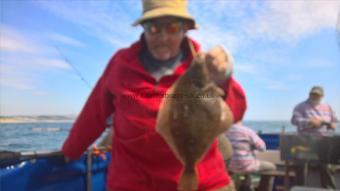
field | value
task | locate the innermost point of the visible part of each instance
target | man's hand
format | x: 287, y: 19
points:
x: 220, y: 64
x: 332, y: 126
x: 66, y: 159
x: 315, y: 122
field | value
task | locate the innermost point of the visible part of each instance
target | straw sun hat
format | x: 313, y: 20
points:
x: 160, y: 8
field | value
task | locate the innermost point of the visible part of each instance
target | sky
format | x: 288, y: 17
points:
x: 53, y: 52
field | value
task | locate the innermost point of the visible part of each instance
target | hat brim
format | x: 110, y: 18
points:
x: 163, y: 12
x: 316, y: 92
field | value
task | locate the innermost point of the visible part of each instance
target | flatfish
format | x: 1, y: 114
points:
x: 192, y: 114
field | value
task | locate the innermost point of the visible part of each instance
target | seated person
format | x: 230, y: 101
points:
x: 245, y: 142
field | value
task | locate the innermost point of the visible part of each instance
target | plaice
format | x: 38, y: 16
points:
x: 191, y: 116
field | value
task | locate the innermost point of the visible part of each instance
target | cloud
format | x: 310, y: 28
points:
x: 20, y: 83
x: 23, y: 59
x: 292, y: 20
x: 240, y: 24
x: 65, y: 40
x: 10, y: 76
x: 31, y: 59
x: 106, y: 20
x: 294, y: 77
x: 232, y: 23
x: 212, y: 36
x: 26, y: 75
x: 215, y: 21
x: 246, y: 68
x: 259, y: 76
x: 221, y: 10
x: 51, y: 63
x: 276, y: 85
x: 12, y: 41
x: 41, y: 93
x: 319, y: 63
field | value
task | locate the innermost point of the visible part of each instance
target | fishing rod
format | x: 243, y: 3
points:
x: 77, y: 72
x: 13, y: 157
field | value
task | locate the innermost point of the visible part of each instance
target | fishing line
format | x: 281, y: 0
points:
x: 109, y: 119
x: 77, y: 72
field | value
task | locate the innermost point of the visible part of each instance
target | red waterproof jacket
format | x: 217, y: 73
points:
x: 141, y: 160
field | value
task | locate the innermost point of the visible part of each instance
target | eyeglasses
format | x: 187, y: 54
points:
x: 173, y: 27
x: 315, y: 94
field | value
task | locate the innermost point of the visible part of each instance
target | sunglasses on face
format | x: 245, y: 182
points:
x: 173, y: 27
x: 315, y: 95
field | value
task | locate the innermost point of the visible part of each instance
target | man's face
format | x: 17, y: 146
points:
x: 315, y: 98
x: 164, y: 36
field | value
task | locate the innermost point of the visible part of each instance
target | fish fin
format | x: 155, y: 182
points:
x: 226, y: 118
x: 225, y: 147
x: 162, y: 124
x: 188, y: 180
x: 163, y: 115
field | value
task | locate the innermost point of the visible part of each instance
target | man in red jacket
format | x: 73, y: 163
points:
x: 131, y: 88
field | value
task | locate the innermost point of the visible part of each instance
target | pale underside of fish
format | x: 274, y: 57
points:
x: 190, y: 118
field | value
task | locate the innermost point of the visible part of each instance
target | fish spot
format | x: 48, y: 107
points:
x: 186, y: 110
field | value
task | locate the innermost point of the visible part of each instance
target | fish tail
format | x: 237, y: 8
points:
x: 188, y: 180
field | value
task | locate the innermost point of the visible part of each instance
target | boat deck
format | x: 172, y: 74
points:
x: 313, y: 179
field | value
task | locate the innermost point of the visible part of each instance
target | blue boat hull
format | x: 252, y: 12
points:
x: 51, y: 174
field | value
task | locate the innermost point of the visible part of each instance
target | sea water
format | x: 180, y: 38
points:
x: 50, y: 136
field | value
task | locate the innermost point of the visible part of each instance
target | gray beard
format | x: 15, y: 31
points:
x: 315, y: 102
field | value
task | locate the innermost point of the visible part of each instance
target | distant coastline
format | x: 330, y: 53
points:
x: 38, y: 119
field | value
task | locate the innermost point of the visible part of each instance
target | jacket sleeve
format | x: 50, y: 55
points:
x: 92, y: 120
x: 256, y: 141
x: 235, y: 98
x: 334, y: 119
x: 298, y: 118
